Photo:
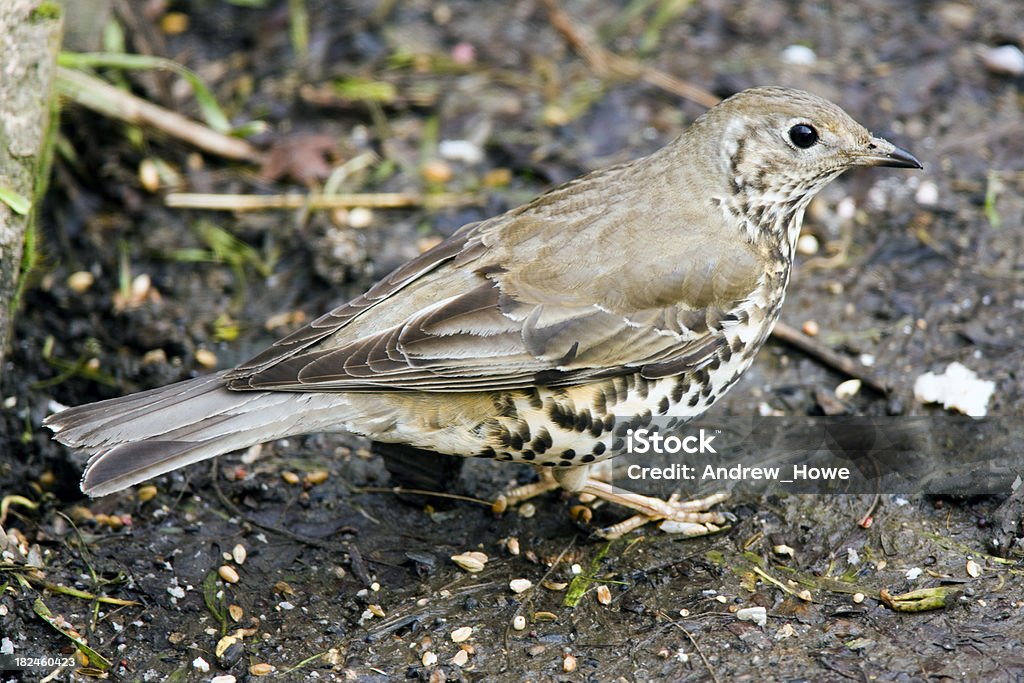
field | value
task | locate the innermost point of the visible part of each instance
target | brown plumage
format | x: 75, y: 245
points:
x: 638, y: 290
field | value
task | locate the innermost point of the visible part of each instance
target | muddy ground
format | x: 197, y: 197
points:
x: 344, y: 580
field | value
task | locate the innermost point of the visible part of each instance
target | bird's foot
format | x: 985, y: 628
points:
x: 689, y: 518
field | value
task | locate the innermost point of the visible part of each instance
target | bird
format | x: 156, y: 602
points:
x: 540, y: 335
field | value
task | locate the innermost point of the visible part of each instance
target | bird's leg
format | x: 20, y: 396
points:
x: 523, y: 493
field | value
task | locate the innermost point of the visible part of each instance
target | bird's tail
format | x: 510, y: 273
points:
x: 140, y: 436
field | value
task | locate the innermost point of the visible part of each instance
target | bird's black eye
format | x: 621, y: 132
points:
x: 803, y: 135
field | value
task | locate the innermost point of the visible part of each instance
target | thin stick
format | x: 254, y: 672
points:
x: 605, y: 61
x: 254, y: 202
x: 101, y: 97
x: 828, y: 357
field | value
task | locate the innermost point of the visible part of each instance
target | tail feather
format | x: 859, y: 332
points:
x: 140, y: 436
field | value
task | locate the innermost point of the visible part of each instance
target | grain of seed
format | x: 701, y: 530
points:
x: 238, y: 553
x: 261, y: 669
x: 519, y: 622
x: 460, y: 658
x: 81, y: 281
x: 858, y: 598
x: 604, y: 595
x: 206, y: 358
x: 228, y: 574
x: 520, y: 585
x: 290, y: 477
x: 146, y: 493
x: 568, y: 664
x: 429, y: 658
x: 973, y: 569
x: 462, y: 634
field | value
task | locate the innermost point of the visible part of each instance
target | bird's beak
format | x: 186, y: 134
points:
x: 879, y: 152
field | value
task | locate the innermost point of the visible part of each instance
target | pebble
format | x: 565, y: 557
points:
x: 429, y: 659
x: 360, y: 217
x: 1005, y: 60
x: 913, y: 573
x: 927, y: 193
x: 520, y: 585
x: 519, y: 622
x: 783, y: 549
x: 461, y: 150
x: 807, y: 245
x: 757, y: 615
x: 858, y: 598
x: 149, y: 175
x: 200, y: 664
x: 568, y: 664
x: 799, y: 54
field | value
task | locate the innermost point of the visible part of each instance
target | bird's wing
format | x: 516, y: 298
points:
x: 496, y: 307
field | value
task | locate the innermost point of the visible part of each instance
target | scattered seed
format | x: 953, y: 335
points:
x: 811, y: 328
x: 376, y: 610
x: 436, y: 172
x: 554, y: 585
x: 545, y: 616
x: 290, y: 477
x: 519, y: 622
x: 236, y: 613
x: 513, y: 546
x: 149, y: 175
x: 576, y: 569
x: 684, y: 612
x: 848, y: 389
x: 429, y: 658
x: 783, y: 549
x: 261, y: 669
x: 520, y: 585
x: 858, y: 598
x: 360, y: 217
x: 316, y: 477
x: 462, y: 634
x: 604, y: 595
x: 460, y: 658
x: 527, y: 510
x: 499, y: 505
x: 228, y: 574
x: 81, y: 281
x: 568, y: 664
x: 581, y: 513
x: 472, y: 561
x: 223, y: 644
x: 535, y: 650
x: 206, y: 358
x: 238, y: 553
x: 1005, y: 60
x: 200, y: 664
x: 722, y: 599
x: 973, y: 569
x: 497, y: 177
x: 805, y: 595
x: 146, y: 493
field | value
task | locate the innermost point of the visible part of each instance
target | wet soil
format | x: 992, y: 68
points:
x: 345, y: 580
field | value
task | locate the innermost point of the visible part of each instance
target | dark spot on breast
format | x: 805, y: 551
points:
x: 583, y: 420
x: 599, y: 448
x: 681, y: 387
x: 694, y: 400
x: 561, y: 416
x: 641, y: 385
x: 736, y: 345
x: 486, y: 453
x: 588, y: 458
x: 515, y: 442
x: 618, y: 445
x: 609, y: 422
x: 663, y: 405
x: 528, y: 455
x: 725, y: 353
x: 565, y: 463
x: 568, y: 454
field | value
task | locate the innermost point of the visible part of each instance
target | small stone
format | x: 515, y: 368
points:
x: 520, y: 585
x: 805, y: 595
x: 527, y: 510
x: 927, y: 193
x: 360, y: 217
x: 429, y: 658
x: 783, y: 549
x: 149, y: 175
x: 568, y: 664
x: 757, y: 615
x: 1005, y: 60
x: 461, y: 150
x: 228, y: 574
x: 799, y: 55
x: 462, y: 634
x: 519, y: 622
x: 858, y: 598
x: 200, y: 664
x: 807, y: 245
